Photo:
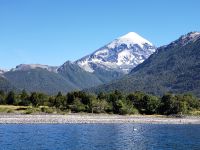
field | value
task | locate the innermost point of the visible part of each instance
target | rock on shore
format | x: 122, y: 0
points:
x: 93, y: 118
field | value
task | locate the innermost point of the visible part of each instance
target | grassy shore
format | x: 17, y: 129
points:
x: 41, y: 115
x: 11, y: 109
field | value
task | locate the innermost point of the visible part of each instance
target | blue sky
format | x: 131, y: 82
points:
x: 54, y: 31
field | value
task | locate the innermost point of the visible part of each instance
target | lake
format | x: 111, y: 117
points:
x: 99, y: 136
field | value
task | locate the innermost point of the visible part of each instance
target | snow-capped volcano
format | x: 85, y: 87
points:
x: 123, y: 54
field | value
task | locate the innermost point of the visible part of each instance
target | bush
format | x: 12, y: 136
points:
x: 31, y: 110
x: 77, y: 106
x: 10, y: 111
x: 47, y: 110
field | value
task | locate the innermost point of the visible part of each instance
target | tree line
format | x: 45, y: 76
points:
x: 114, y: 102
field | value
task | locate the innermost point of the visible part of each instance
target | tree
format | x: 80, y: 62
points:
x: 167, y: 104
x: 97, y: 105
x: 151, y: 104
x: 51, y: 101
x: 117, y: 106
x: 24, y: 97
x: 137, y: 99
x: 182, y: 107
x: 102, y: 106
x: 70, y: 98
x: 34, y: 99
x: 2, y: 93
x: 173, y: 104
x: 2, y: 97
x: 11, y: 99
x: 85, y: 98
x: 77, y: 106
x: 42, y: 98
x: 101, y: 96
x: 192, y: 101
x: 124, y: 106
x: 60, y: 101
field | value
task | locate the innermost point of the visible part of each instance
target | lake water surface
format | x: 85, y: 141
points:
x: 99, y: 136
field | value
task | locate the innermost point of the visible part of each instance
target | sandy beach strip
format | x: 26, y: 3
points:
x: 90, y: 118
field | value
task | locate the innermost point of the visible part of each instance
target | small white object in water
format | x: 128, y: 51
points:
x: 134, y: 129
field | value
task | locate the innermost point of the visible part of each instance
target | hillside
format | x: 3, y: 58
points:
x: 5, y: 85
x: 39, y: 80
x: 79, y: 77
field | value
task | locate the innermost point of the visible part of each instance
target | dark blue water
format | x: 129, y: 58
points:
x: 100, y: 136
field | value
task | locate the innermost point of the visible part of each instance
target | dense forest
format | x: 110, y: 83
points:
x: 114, y: 102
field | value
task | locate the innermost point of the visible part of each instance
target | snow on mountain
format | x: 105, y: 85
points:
x: 34, y: 66
x: 129, y: 39
x: 2, y: 71
x: 190, y: 37
x: 184, y: 39
x: 122, y: 54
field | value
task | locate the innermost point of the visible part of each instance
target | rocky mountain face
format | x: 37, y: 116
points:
x: 24, y: 67
x: 172, y: 68
x: 2, y: 71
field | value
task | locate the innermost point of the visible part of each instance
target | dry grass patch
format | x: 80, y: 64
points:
x: 12, y: 109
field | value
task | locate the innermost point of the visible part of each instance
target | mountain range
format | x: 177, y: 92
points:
x: 128, y: 63
x: 172, y: 68
x: 109, y: 62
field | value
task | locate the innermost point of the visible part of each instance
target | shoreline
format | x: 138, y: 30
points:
x: 93, y: 119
